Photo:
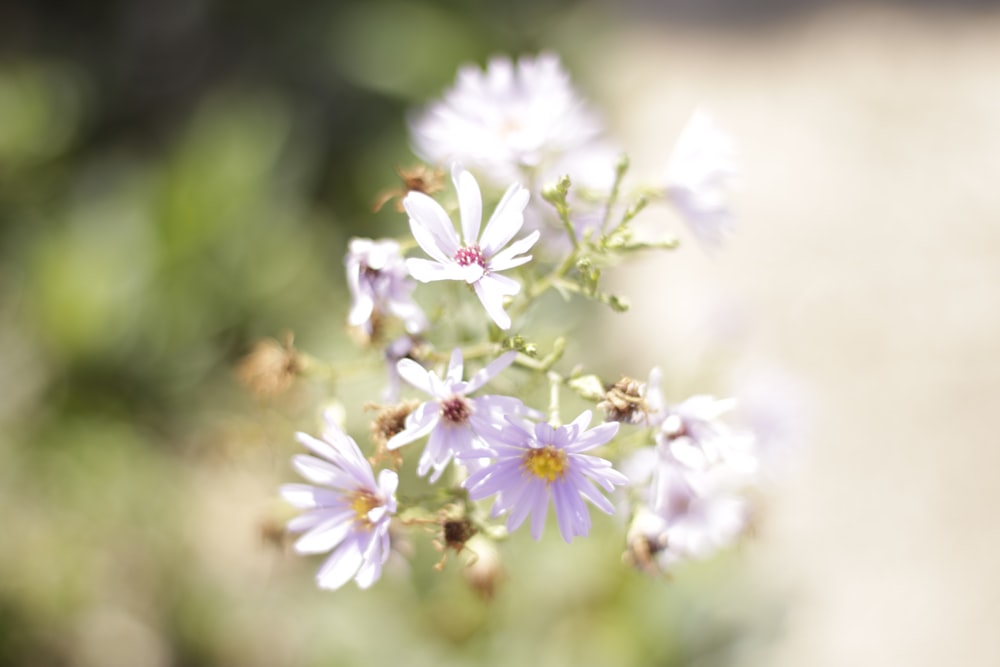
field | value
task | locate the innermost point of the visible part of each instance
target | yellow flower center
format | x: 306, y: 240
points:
x: 363, y: 502
x: 546, y: 463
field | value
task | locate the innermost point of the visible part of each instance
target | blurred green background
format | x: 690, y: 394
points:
x: 179, y: 179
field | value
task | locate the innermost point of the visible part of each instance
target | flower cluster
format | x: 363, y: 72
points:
x: 523, y: 146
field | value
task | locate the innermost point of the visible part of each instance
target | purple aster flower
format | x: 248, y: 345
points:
x: 699, y: 175
x: 458, y: 424
x: 547, y: 463
x: 380, y: 285
x: 349, y: 512
x: 475, y: 259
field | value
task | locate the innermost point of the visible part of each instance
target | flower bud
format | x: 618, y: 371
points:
x: 485, y: 571
x: 270, y: 367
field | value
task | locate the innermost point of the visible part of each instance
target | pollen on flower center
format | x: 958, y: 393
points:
x: 472, y: 254
x: 456, y: 409
x: 363, y: 502
x: 546, y: 463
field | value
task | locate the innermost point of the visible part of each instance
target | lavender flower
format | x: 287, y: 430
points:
x: 692, y: 515
x: 698, y: 438
x: 475, y: 259
x: 456, y: 423
x: 699, y: 174
x: 380, y: 285
x: 349, y: 513
x: 693, y: 430
x: 507, y: 120
x: 400, y: 348
x: 534, y: 466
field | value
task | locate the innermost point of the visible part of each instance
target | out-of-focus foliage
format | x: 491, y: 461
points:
x: 178, y: 179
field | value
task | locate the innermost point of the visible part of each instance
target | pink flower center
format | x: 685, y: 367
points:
x: 470, y: 255
x: 456, y: 409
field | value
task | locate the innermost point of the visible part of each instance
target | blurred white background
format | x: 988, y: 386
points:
x: 867, y: 268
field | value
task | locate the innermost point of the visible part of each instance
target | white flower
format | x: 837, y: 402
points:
x: 693, y: 432
x: 699, y: 175
x: 458, y: 425
x: 348, y: 513
x: 507, y: 119
x: 474, y: 259
x: 685, y: 513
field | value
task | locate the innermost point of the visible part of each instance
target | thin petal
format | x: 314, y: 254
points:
x: 431, y: 226
x: 506, y: 286
x: 415, y: 374
x: 492, y: 299
x: 506, y: 220
x: 326, y: 535
x: 427, y: 271
x: 595, y: 437
x: 323, y: 472
x: 539, y: 509
x: 508, y: 257
x: 417, y: 426
x: 308, y: 520
x: 341, y: 566
x: 455, y: 366
x: 470, y: 204
x: 495, y: 367
x: 308, y: 497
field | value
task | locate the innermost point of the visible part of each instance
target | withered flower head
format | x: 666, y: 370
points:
x: 624, y: 401
x: 419, y: 178
x: 270, y: 367
x: 389, y: 420
x: 456, y: 533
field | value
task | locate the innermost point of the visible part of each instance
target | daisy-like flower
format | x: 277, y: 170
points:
x: 458, y: 424
x: 349, y: 512
x: 510, y: 119
x: 693, y: 514
x: 545, y: 463
x: 475, y: 259
x: 693, y: 431
x: 699, y: 175
x: 380, y: 285
x: 697, y: 437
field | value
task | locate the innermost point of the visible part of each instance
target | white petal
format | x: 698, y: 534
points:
x: 418, y: 424
x: 415, y: 374
x: 455, y: 366
x: 340, y: 566
x: 319, y: 471
x: 326, y: 535
x: 307, y: 497
x: 388, y: 482
x: 506, y: 286
x: 472, y: 272
x: 470, y: 204
x: 431, y: 226
x: 495, y: 367
x: 506, y: 220
x: 426, y: 271
x: 508, y: 257
x: 491, y: 296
